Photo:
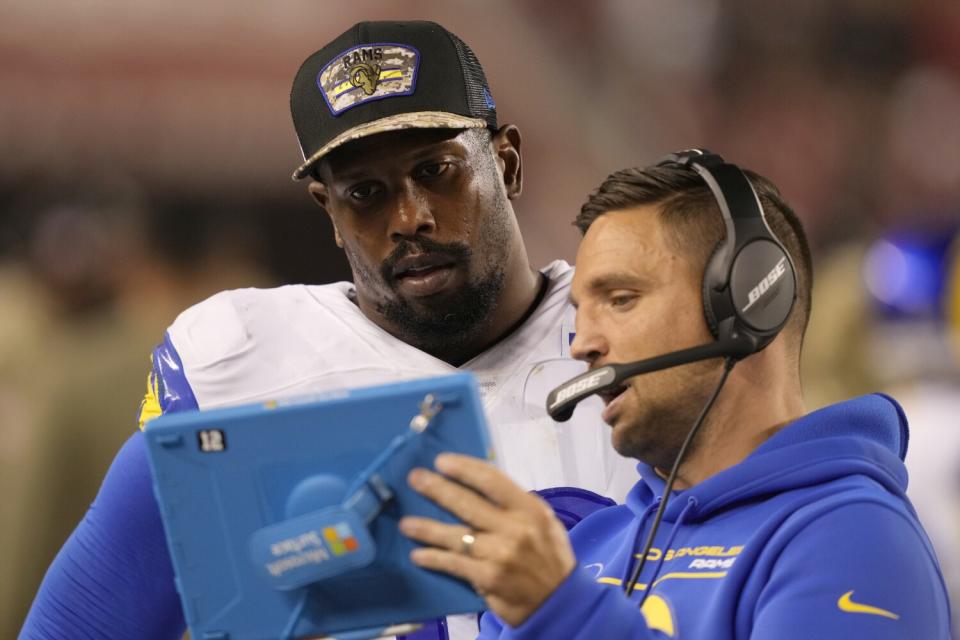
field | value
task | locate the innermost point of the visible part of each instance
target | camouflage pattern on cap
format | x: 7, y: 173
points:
x: 417, y: 120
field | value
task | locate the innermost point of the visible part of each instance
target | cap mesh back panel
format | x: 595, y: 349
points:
x: 476, y: 84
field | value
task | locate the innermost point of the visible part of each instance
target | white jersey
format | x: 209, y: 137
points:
x: 253, y: 345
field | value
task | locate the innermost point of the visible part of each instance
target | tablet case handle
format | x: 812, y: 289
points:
x: 327, y: 542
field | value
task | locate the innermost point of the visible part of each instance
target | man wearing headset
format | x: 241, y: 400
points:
x: 781, y: 523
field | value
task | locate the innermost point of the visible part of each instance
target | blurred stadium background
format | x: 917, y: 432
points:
x: 147, y: 151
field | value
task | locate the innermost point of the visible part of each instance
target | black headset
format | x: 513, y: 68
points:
x: 749, y: 284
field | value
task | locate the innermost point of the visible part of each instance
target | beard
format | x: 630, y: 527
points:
x: 448, y: 321
x: 452, y: 320
x: 661, y: 419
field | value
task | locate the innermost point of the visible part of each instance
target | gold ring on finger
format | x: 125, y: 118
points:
x: 467, y: 541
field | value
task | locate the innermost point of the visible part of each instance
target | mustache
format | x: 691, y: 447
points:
x: 456, y: 252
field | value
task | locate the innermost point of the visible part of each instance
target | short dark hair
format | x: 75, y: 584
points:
x: 692, y: 217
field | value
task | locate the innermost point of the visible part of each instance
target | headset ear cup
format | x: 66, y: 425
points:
x: 763, y: 287
x: 708, y: 291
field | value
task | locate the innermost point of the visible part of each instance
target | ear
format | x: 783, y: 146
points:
x: 318, y: 191
x: 506, y: 146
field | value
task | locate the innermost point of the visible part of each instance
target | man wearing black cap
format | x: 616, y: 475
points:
x: 400, y: 138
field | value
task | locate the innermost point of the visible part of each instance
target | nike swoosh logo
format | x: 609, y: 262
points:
x: 848, y: 605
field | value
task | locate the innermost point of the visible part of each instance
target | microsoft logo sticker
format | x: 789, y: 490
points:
x: 340, y: 539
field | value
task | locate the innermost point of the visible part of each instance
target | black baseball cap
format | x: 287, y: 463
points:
x: 385, y: 76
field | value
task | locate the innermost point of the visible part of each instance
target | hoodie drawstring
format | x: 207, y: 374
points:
x: 681, y: 519
x: 641, y: 521
x: 691, y: 506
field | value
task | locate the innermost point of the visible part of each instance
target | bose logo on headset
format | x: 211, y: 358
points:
x: 778, y: 271
x: 598, y: 379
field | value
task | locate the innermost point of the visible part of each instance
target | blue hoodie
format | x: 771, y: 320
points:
x: 811, y: 536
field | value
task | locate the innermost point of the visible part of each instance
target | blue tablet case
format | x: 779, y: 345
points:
x: 281, y: 518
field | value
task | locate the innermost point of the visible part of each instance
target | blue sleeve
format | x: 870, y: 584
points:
x: 863, y: 570
x: 490, y: 626
x: 113, y: 578
x: 579, y: 609
x: 573, y: 504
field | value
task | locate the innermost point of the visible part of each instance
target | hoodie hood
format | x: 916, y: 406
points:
x: 866, y: 436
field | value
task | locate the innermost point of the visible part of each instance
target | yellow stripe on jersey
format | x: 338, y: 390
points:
x: 150, y: 405
x: 690, y: 575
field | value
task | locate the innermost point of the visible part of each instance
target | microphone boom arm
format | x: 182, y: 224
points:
x: 563, y: 400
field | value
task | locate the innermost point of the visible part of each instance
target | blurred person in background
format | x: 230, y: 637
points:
x: 911, y: 273
x: 61, y: 330
x: 23, y: 321
x: 95, y: 280
x: 885, y: 317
